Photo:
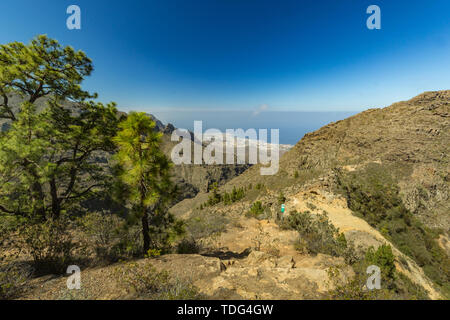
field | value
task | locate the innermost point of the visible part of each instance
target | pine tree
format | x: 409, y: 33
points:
x: 21, y: 166
x: 215, y: 197
x: 41, y: 68
x: 46, y: 156
x: 226, y: 198
x: 145, y: 172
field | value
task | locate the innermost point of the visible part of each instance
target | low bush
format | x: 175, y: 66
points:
x: 103, y: 234
x: 148, y: 283
x: 10, y: 223
x: 235, y: 195
x: 50, y: 244
x: 214, y: 197
x: 384, y: 259
x: 373, y: 195
x: 353, y: 289
x: 394, y: 285
x: 200, y: 226
x: 188, y: 246
x: 317, y: 234
x: 12, y: 279
x: 256, y: 210
x: 81, y: 294
x: 226, y: 198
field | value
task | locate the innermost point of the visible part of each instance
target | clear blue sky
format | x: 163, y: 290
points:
x: 314, y: 55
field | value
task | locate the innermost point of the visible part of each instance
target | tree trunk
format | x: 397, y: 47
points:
x: 145, y: 228
x: 56, y: 207
x: 38, y: 199
x: 145, y: 232
x: 37, y: 193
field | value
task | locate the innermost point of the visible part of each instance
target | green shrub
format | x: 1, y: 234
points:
x: 12, y: 280
x: 103, y: 233
x: 9, y: 223
x: 394, y: 285
x: 227, y: 198
x: 152, y: 253
x: 147, y: 282
x: 50, y: 244
x: 256, y: 210
x: 353, y: 289
x: 373, y: 195
x: 316, y: 234
x: 384, y: 259
x: 237, y: 194
x: 201, y: 225
x: 214, y: 197
x: 408, y: 290
x: 188, y: 246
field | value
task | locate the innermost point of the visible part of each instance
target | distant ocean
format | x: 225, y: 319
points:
x: 292, y: 125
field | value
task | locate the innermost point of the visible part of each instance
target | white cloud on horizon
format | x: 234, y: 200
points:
x: 261, y: 108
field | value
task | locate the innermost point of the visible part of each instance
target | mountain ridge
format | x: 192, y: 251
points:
x: 404, y: 146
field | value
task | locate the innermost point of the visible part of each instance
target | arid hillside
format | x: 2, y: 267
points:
x: 409, y: 139
x: 381, y: 176
x: 369, y: 190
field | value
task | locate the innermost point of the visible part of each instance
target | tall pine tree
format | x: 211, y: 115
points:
x: 47, y: 156
x: 144, y: 173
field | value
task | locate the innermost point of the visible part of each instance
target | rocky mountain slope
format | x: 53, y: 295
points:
x: 381, y: 177
x: 410, y: 139
x: 406, y: 144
